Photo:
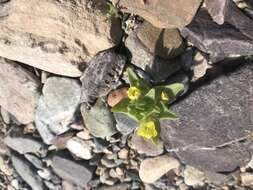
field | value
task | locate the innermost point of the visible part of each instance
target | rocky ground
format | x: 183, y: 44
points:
x: 62, y: 68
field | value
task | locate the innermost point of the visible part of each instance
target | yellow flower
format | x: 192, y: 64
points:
x: 133, y: 93
x: 165, y: 96
x: 147, y: 130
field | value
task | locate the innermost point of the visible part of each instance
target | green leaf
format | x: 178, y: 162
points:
x: 155, y: 139
x: 175, y: 88
x: 151, y: 94
x: 132, y: 77
x: 121, y: 106
x: 140, y: 83
x: 166, y: 113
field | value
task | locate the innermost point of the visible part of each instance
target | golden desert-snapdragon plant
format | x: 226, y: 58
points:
x: 148, y: 105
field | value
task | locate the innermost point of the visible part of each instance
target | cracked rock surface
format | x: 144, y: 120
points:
x: 214, y: 141
x: 57, y: 36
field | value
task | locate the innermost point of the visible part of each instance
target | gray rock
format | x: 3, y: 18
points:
x: 125, y: 124
x: 45, y: 174
x: 211, y: 118
x: 95, y: 160
x: 24, y: 144
x: 218, y: 9
x: 200, y: 66
x: 100, y: 145
x: 57, y: 107
x: 102, y: 75
x: 34, y: 160
x: 52, y: 186
x: 76, y: 172
x: 110, y: 163
x: 15, y: 184
x: 18, y: 91
x: 99, y: 120
x: 219, y: 41
x: 121, y: 186
x: 250, y: 164
x: 193, y: 177
x: 6, y: 116
x: 158, y: 68
x: 145, y: 146
x: 216, y: 178
x: 226, y: 11
x: 24, y: 169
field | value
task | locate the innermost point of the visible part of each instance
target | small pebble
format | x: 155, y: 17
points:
x: 183, y: 186
x: 193, y: 176
x: 108, y: 163
x: 6, y: 169
x: 119, y: 171
x: 152, y: 169
x: 45, y: 174
x: 67, y: 186
x: 110, y: 181
x: 123, y: 154
x: 52, y: 186
x: 113, y: 173
x: 9, y: 187
x: 15, y: 184
x: 79, y: 148
x: 84, y: 134
x: 247, y: 178
x: 78, y: 126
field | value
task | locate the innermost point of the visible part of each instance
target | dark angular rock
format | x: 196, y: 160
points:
x: 226, y: 11
x: 102, y: 75
x: 76, y: 172
x: 219, y: 41
x: 211, y: 118
x: 24, y: 169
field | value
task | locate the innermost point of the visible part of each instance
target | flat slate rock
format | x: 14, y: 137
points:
x: 27, y: 172
x: 213, y: 116
x: 76, y: 172
x: 219, y: 41
x: 24, y: 144
x: 19, y: 90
